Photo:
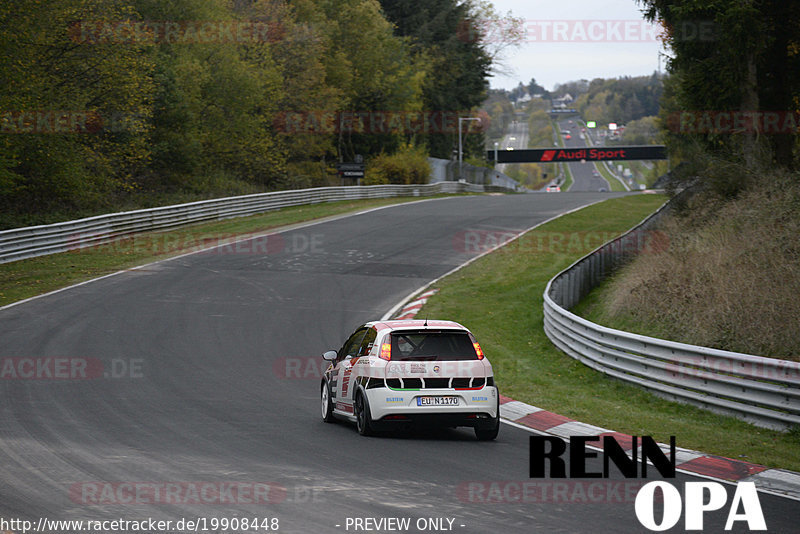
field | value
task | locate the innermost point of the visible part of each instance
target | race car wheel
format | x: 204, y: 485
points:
x: 488, y: 433
x: 327, y: 403
x: 363, y: 417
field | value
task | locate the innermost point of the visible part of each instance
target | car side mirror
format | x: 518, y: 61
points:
x: 330, y: 355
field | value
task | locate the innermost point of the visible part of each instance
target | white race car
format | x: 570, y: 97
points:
x: 394, y: 373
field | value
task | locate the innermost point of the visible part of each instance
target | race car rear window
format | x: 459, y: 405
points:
x: 432, y: 346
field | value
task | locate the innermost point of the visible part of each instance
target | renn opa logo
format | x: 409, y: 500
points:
x: 698, y: 498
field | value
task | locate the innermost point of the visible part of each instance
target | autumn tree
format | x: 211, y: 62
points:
x: 134, y: 103
x: 74, y: 123
x: 452, y: 36
x: 746, y: 59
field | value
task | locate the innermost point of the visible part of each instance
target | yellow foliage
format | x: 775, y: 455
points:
x: 409, y: 165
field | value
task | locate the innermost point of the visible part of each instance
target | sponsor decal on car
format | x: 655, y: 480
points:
x: 344, y: 407
x: 346, y: 381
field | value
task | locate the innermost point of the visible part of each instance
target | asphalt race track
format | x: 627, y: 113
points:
x: 583, y: 178
x: 201, y: 378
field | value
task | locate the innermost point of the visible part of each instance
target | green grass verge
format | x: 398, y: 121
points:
x: 568, y: 181
x: 499, y: 297
x: 26, y: 278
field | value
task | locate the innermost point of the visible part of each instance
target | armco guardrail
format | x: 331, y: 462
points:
x: 32, y: 241
x: 763, y: 391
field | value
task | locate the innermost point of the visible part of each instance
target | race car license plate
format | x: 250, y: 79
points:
x: 437, y: 401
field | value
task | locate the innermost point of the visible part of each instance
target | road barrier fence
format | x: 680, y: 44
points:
x: 33, y: 241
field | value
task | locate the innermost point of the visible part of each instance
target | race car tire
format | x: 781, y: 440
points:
x: 363, y: 416
x: 488, y: 433
x: 327, y: 403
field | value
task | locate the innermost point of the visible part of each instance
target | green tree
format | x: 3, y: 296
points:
x: 315, y: 78
x: 452, y: 36
x: 215, y: 101
x: 536, y: 89
x: 197, y: 116
x: 622, y: 99
x: 48, y: 70
x: 749, y: 63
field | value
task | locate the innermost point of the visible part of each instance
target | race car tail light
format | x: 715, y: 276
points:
x: 386, y: 351
x: 395, y: 417
x: 468, y: 384
x: 478, y: 350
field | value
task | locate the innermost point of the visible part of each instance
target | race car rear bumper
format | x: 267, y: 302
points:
x: 475, y: 408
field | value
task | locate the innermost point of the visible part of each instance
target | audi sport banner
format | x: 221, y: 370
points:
x: 546, y: 155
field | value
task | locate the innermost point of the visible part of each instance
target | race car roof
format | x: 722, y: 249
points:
x: 415, y: 323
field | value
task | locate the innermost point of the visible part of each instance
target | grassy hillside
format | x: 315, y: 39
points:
x: 729, y: 277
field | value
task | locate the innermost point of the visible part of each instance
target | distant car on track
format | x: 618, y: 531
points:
x: 392, y: 374
x: 553, y: 188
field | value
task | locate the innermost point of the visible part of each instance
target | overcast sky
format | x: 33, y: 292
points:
x: 573, y: 39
